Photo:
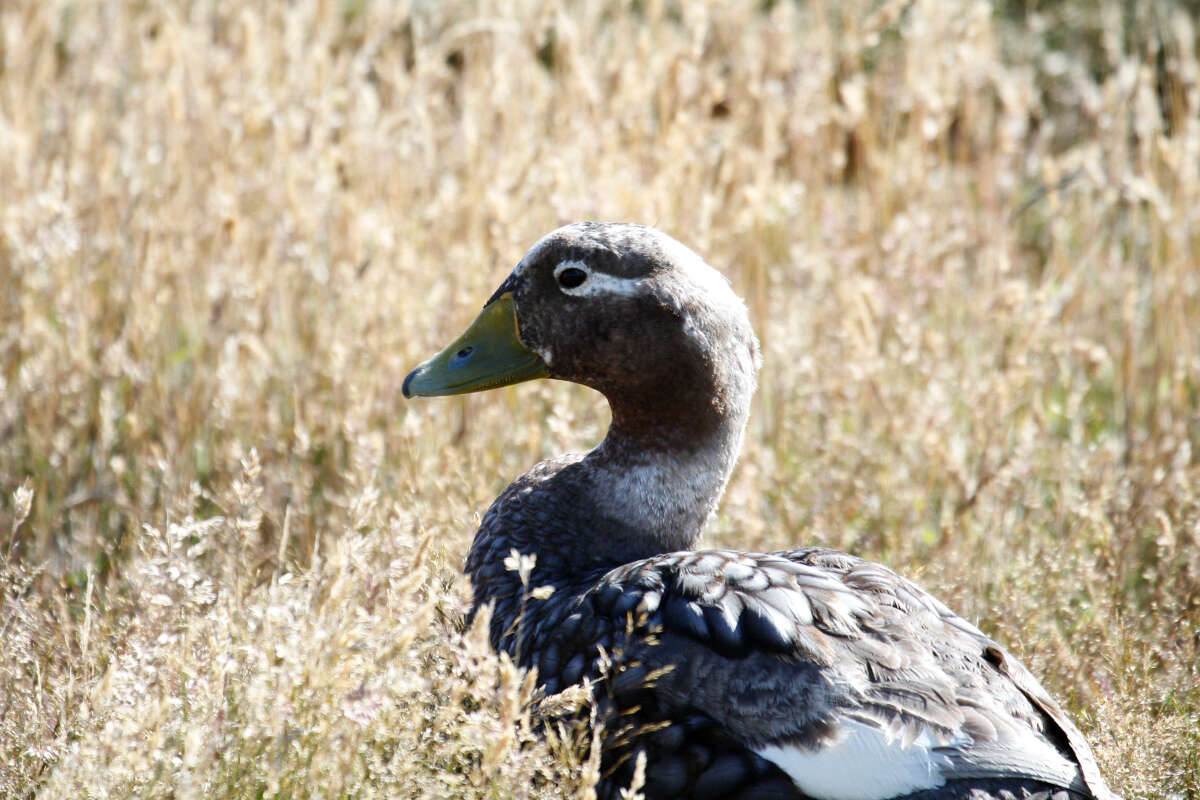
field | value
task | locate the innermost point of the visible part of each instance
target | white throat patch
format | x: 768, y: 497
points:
x: 666, y: 494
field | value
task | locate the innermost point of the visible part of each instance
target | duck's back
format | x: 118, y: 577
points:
x: 801, y: 673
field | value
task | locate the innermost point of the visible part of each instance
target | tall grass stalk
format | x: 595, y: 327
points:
x: 969, y: 237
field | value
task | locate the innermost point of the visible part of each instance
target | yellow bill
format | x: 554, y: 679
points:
x: 488, y: 355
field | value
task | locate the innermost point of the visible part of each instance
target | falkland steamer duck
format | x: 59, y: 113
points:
x: 804, y: 674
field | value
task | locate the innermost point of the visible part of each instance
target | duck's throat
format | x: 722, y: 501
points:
x: 574, y: 518
x: 647, y: 489
x: 662, y: 489
x: 643, y: 491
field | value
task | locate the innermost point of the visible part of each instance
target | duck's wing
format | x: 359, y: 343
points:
x: 848, y: 677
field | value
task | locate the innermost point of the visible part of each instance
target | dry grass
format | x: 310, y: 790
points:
x: 969, y: 237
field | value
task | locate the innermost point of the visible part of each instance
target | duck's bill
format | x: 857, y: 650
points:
x: 488, y: 355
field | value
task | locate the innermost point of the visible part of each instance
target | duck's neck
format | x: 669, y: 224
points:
x: 662, y: 474
x: 640, y: 493
x: 647, y: 489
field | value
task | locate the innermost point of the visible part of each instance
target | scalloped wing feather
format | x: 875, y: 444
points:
x: 812, y: 643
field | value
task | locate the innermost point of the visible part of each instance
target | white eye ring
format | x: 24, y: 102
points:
x: 593, y: 282
x: 573, y: 266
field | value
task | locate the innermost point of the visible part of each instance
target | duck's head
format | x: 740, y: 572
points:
x: 622, y: 308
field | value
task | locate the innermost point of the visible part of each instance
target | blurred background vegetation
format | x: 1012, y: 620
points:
x: 968, y: 234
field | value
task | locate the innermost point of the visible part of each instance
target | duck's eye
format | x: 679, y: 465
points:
x: 571, y: 277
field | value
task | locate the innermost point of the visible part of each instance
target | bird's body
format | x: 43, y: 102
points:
x: 797, y: 674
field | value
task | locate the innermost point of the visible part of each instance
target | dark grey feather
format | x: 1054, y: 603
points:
x: 700, y: 659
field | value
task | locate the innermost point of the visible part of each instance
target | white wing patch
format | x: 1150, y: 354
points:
x: 864, y: 764
x: 596, y: 282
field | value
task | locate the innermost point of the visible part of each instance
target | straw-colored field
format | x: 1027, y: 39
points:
x: 969, y: 237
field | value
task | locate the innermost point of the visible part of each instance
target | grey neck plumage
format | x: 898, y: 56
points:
x: 664, y: 486
x: 647, y: 489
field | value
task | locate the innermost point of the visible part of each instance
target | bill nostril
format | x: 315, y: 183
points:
x: 466, y: 351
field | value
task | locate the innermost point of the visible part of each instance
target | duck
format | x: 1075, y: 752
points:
x: 800, y: 674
